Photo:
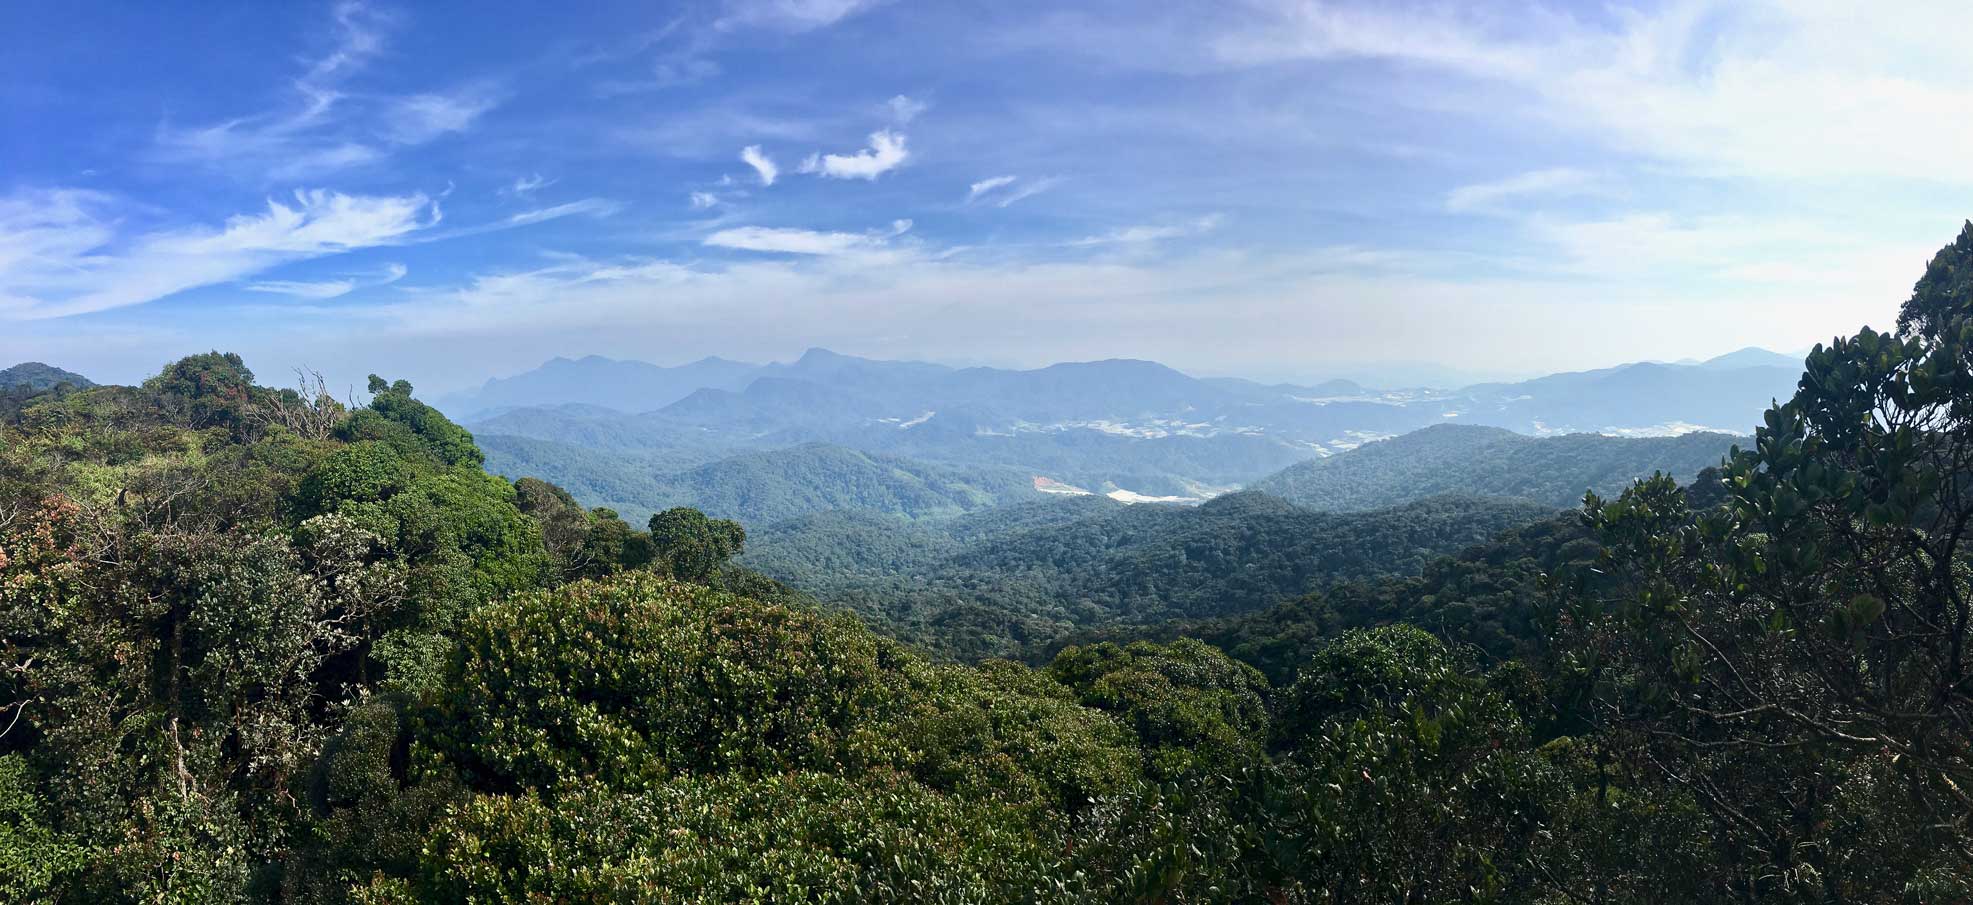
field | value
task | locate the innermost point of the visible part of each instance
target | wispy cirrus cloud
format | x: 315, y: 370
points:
x: 792, y: 15
x: 681, y: 50
x: 324, y: 128
x: 974, y: 191
x: 282, y: 137
x: 1139, y: 235
x: 586, y: 207
x: 1771, y: 89
x: 526, y: 186
x: 592, y: 207
x: 886, y: 153
x: 764, y: 166
x: 1028, y: 190
x: 991, y: 188
x: 905, y: 109
x: 76, y: 262
x: 781, y: 240
x: 1560, y: 181
x: 420, y: 118
x: 309, y: 164
x: 361, y: 29
x: 320, y: 290
x: 62, y: 254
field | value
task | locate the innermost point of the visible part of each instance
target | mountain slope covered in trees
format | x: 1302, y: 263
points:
x: 995, y: 583
x: 1489, y: 596
x: 763, y: 487
x: 1490, y: 461
x: 33, y: 375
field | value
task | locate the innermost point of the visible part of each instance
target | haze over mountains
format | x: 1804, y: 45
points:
x: 1490, y: 461
x: 830, y: 432
x: 640, y: 437
x: 1146, y: 399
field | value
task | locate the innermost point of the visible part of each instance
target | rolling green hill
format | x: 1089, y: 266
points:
x: 1487, y: 595
x: 34, y: 375
x: 1489, y: 461
x: 1031, y: 574
x: 759, y: 488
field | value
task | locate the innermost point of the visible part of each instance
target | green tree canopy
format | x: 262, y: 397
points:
x: 693, y: 546
x: 1945, y: 293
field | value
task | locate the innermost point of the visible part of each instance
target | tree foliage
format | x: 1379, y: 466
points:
x: 255, y: 654
x: 1025, y: 579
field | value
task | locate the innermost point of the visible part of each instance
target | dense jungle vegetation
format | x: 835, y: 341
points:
x: 257, y: 647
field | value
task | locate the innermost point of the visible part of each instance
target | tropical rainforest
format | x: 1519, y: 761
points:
x: 257, y: 645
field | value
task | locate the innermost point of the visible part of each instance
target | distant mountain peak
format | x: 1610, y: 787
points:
x: 627, y: 385
x: 1119, y: 364
x: 41, y: 376
x: 816, y: 355
x: 1753, y: 357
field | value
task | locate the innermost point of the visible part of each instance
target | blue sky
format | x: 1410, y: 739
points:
x: 1272, y: 188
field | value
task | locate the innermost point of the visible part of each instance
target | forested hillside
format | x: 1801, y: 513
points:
x: 1490, y: 461
x: 1490, y: 596
x: 34, y: 376
x: 28, y: 380
x: 259, y: 647
x: 997, y: 583
x: 763, y: 487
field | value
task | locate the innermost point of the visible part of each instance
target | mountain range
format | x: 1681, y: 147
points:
x: 614, y: 430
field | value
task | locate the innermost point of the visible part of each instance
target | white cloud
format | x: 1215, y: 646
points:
x: 1015, y: 189
x: 802, y: 241
x: 1330, y: 304
x: 420, y: 118
x: 325, y: 129
x: 1138, y: 235
x: 327, y: 289
x: 361, y: 27
x: 528, y: 185
x: 314, y: 291
x: 74, y: 263
x: 281, y: 139
x: 1028, y: 190
x: 1772, y: 89
x: 1552, y: 182
x: 974, y: 191
x: 792, y: 15
x: 591, y: 207
x: 330, y: 159
x: 763, y: 165
x: 886, y: 153
x: 1725, y: 252
x: 703, y: 200
x: 595, y: 207
x: 904, y: 109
